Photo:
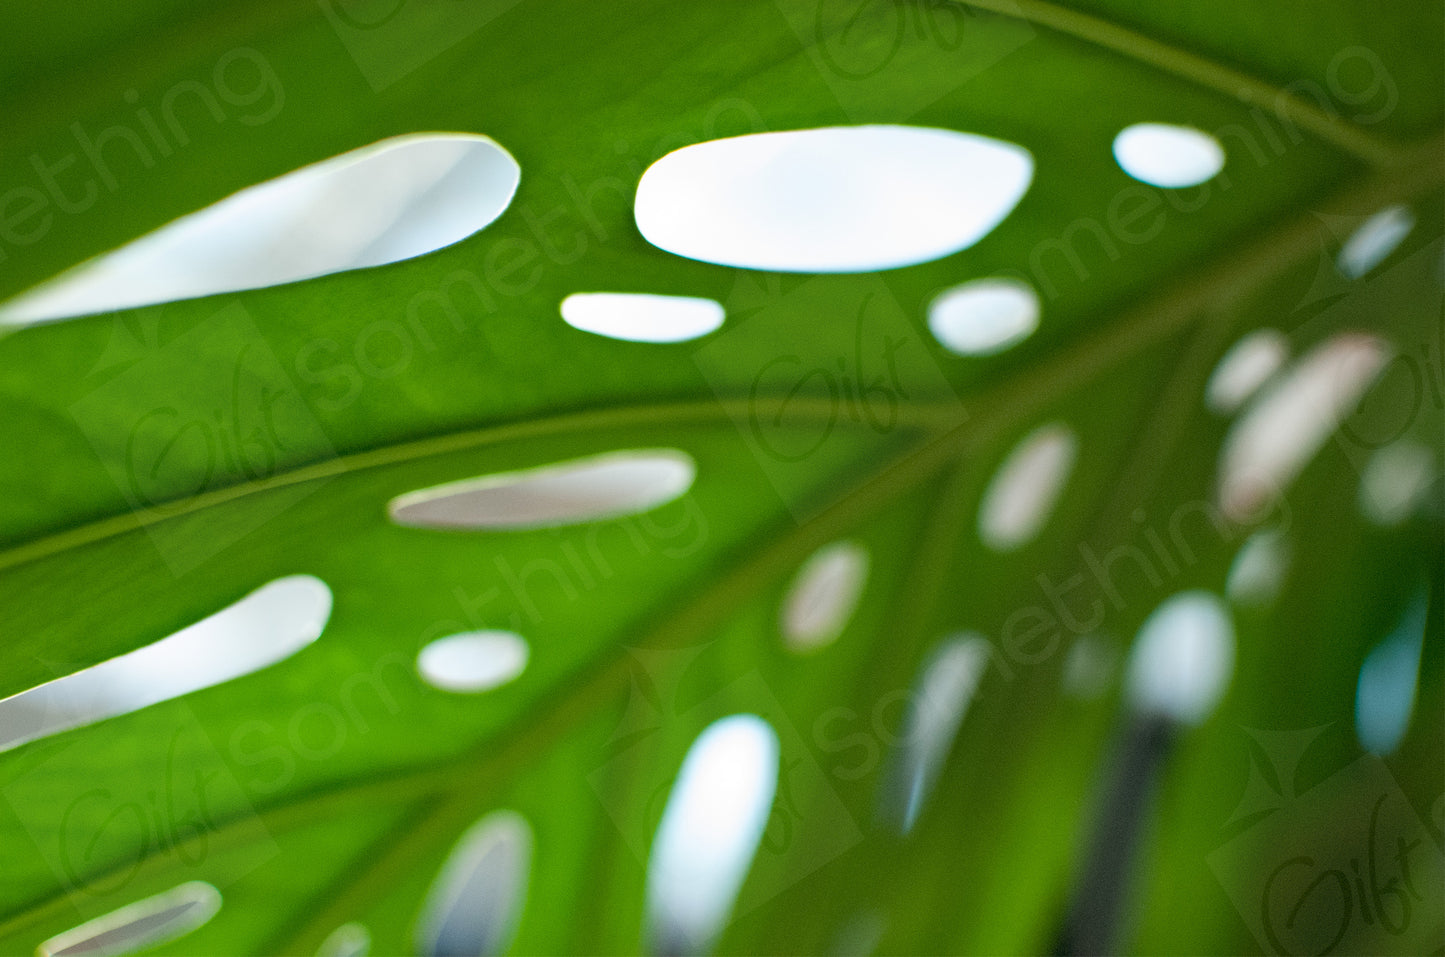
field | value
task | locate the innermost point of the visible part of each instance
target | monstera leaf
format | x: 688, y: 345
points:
x: 165, y: 461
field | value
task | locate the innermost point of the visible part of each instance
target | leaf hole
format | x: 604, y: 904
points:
x: 581, y: 490
x: 710, y: 829
x: 642, y: 317
x: 476, y: 901
x: 1246, y: 367
x: 270, y: 624
x: 473, y: 661
x: 823, y: 596
x: 1026, y: 487
x: 1288, y: 422
x: 1373, y: 241
x: 145, y: 923
x: 1173, y: 157
x: 1182, y: 658
x: 394, y: 200
x: 984, y: 316
x: 835, y: 199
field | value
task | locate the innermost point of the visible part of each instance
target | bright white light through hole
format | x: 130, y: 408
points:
x: 144, y: 924
x: 271, y: 623
x: 985, y: 316
x: 642, y: 317
x: 1290, y: 420
x: 1395, y: 481
x: 473, y: 661
x: 1170, y: 156
x: 709, y: 832
x: 1374, y: 240
x: 1182, y: 658
x: 1257, y: 572
x: 581, y: 490
x: 476, y: 901
x: 940, y: 698
x: 1026, y: 487
x: 1244, y: 368
x: 836, y: 199
x: 823, y: 595
x: 393, y: 200
x: 1385, y: 698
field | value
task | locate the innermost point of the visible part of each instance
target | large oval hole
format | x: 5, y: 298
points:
x: 271, y: 623
x: 1026, y: 486
x: 837, y: 199
x: 709, y: 832
x: 476, y: 902
x: 1182, y: 659
x: 581, y: 490
x: 144, y: 924
x: 393, y: 200
x: 1290, y: 420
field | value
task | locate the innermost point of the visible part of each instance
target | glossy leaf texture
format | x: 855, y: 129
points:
x: 163, y: 462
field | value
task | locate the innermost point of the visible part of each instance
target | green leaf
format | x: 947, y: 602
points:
x: 330, y: 788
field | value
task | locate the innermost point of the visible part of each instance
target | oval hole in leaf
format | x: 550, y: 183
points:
x: 1161, y: 154
x: 580, y: 490
x: 1374, y: 240
x: 1290, y: 420
x: 823, y: 596
x: 1257, y: 572
x: 144, y: 924
x: 642, y: 317
x: 1244, y: 368
x: 1385, y: 697
x: 836, y: 199
x: 390, y: 201
x: 1395, y: 481
x: 709, y: 832
x: 985, y: 316
x: 473, y: 661
x: 271, y: 623
x: 1026, y: 487
x: 940, y: 697
x: 1182, y: 658
x: 477, y: 899
x: 348, y: 940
